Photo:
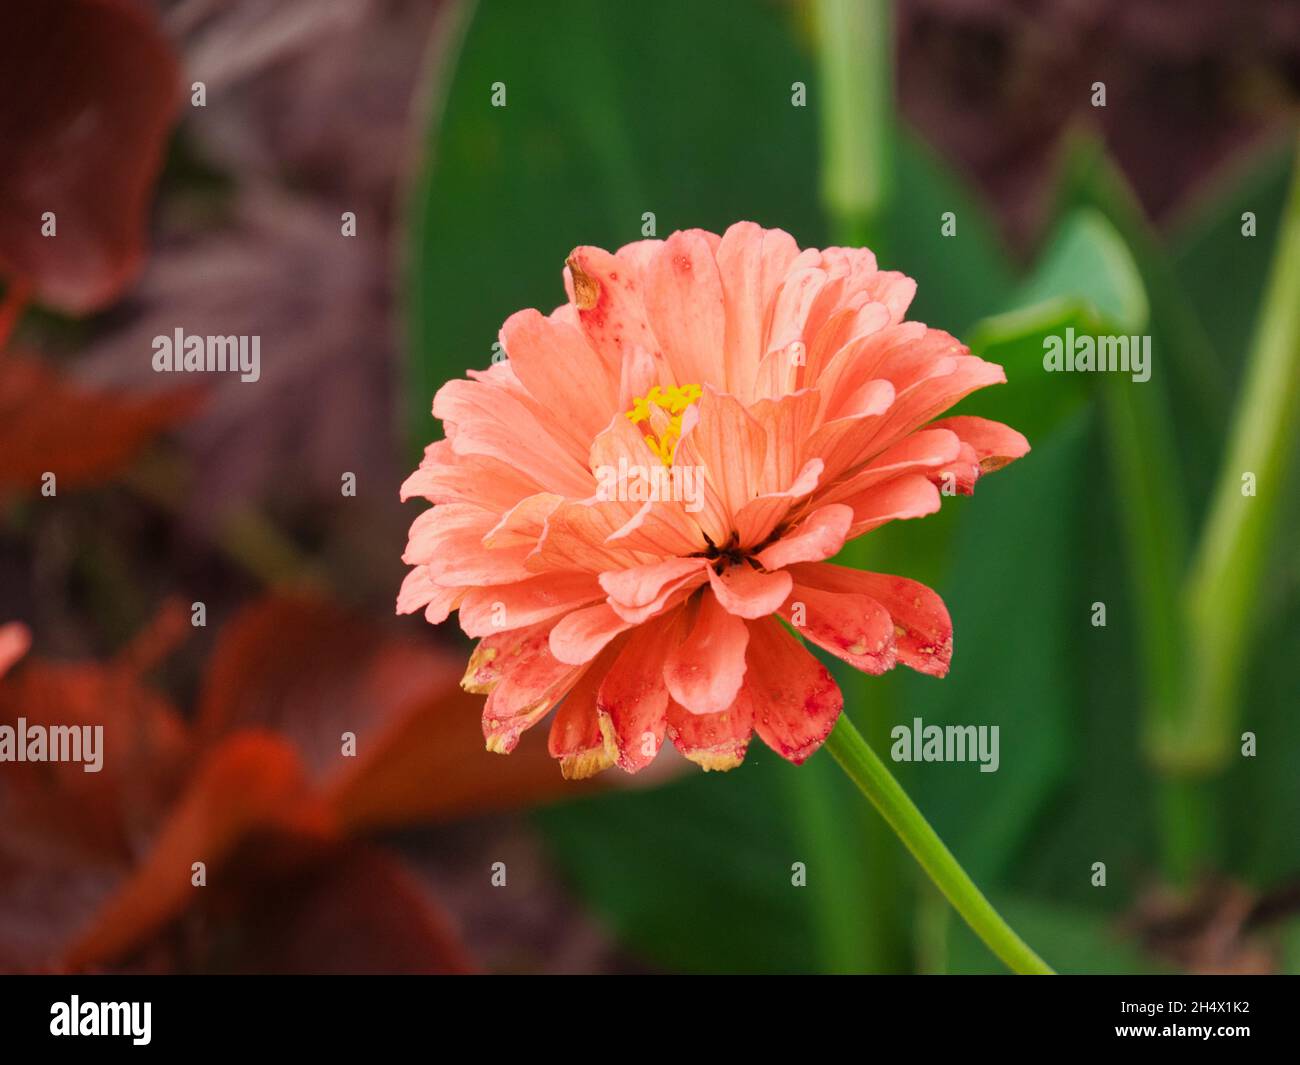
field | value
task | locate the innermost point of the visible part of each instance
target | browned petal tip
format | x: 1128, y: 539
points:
x: 586, y: 290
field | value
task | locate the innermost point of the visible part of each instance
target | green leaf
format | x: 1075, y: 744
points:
x: 1087, y: 262
x: 1086, y: 281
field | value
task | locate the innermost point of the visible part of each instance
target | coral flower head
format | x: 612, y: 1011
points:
x: 634, y: 511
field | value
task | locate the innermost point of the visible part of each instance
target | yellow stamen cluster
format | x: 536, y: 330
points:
x: 674, y: 400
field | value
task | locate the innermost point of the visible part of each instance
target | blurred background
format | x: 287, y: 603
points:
x: 333, y: 176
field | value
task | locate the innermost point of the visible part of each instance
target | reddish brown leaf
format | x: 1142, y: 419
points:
x: 353, y: 910
x: 97, y: 868
x: 312, y: 672
x: 253, y: 782
x: 68, y: 837
x: 48, y: 423
x: 92, y: 88
x: 431, y: 765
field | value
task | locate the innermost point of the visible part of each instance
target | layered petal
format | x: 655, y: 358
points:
x: 748, y: 592
x: 448, y: 541
x: 577, y: 536
x: 446, y: 477
x: 851, y: 626
x: 684, y: 305
x: 909, y: 496
x: 562, y: 371
x: 608, y: 291
x: 420, y: 592
x: 576, y: 739
x: 495, y: 422
x: 632, y: 701
x: 583, y: 634
x: 922, y: 627
x: 659, y: 586
x: 752, y: 262
x: 713, y: 741
x: 728, y: 445
x: 795, y: 701
x: 818, y: 536
x: 705, y: 671
x: 994, y: 444
x: 484, y: 611
x: 523, y: 681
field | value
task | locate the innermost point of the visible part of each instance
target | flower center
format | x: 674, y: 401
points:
x: 661, y: 410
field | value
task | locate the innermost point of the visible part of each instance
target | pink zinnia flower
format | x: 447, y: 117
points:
x: 629, y: 505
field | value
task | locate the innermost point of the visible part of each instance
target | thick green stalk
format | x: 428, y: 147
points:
x: 856, y: 68
x: 1190, y: 830
x: 1226, y: 579
x: 874, y: 780
x: 1154, y: 523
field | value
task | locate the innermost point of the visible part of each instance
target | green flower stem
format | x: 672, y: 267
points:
x: 1190, y: 829
x: 1140, y: 438
x: 856, y: 69
x: 1226, y: 578
x: 1153, y: 517
x: 874, y: 780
